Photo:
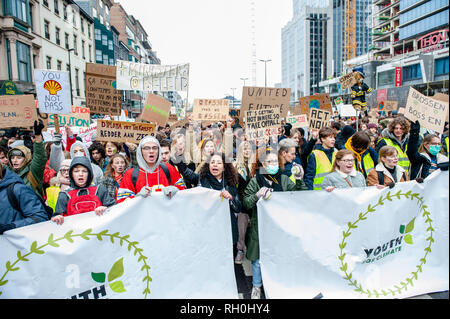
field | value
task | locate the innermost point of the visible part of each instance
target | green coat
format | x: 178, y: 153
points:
x: 250, y: 200
x: 35, y: 164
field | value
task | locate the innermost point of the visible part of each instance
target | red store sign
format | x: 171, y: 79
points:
x: 433, y: 40
x: 398, y: 76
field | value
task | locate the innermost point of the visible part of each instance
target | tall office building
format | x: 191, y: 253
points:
x: 363, y: 31
x: 307, y: 47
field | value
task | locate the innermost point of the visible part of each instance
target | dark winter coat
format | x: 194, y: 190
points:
x: 32, y: 209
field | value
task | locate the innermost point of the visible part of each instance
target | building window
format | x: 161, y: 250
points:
x: 105, y: 58
x: 77, y: 81
x: 65, y: 11
x: 59, y: 65
x: 73, y: 19
x: 66, y: 39
x: 23, y: 61
x: 18, y: 9
x: 56, y: 7
x: 82, y: 25
x: 75, y: 47
x: 45, y: 3
x: 386, y: 77
x: 58, y: 40
x: 98, y: 56
x: 48, y: 61
x: 441, y: 66
x: 98, y: 35
x: 67, y: 67
x: 110, y: 45
x: 31, y: 16
x: 90, y: 53
x: 82, y: 49
x: 47, y: 29
x: 104, y: 39
x: 411, y: 72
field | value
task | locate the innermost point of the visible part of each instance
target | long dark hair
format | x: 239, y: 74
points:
x: 229, y: 171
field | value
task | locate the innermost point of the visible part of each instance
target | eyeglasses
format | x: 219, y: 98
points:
x: 347, y: 161
x: 148, y: 148
x: 64, y: 170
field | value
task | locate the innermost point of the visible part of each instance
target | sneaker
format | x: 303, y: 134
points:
x: 256, y: 293
x: 239, y: 257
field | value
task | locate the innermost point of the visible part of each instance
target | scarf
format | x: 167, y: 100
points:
x: 262, y: 180
x: 209, y: 181
x: 348, y: 146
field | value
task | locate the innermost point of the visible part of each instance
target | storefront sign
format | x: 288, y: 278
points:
x: 433, y: 41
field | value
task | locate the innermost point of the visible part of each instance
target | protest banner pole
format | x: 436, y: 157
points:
x: 56, y: 121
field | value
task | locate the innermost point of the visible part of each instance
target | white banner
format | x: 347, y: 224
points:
x: 53, y: 91
x: 152, y: 248
x: 357, y: 243
x: 152, y: 77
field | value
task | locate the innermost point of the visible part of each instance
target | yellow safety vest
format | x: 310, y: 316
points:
x: 446, y: 143
x: 323, y: 167
x: 52, y: 196
x: 403, y: 159
x: 368, y: 164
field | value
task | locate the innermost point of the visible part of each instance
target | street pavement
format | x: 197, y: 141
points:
x: 243, y: 275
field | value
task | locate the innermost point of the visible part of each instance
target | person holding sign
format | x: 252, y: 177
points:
x: 30, y: 166
x: 397, y: 137
x: 428, y: 157
x: 321, y: 160
x: 151, y: 175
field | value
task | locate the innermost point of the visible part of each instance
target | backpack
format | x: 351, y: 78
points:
x: 135, y: 174
x: 15, y: 203
x: 79, y: 204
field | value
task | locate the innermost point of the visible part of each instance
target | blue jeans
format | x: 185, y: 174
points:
x: 256, y: 274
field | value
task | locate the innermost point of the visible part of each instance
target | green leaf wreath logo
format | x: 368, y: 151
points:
x: 371, y: 209
x: 115, y: 272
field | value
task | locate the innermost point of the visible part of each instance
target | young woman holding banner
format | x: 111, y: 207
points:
x: 267, y: 178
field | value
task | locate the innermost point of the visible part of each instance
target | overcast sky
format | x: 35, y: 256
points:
x: 215, y: 37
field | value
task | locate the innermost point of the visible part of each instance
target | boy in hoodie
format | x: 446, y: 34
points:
x: 82, y: 196
x: 151, y: 175
x: 29, y: 208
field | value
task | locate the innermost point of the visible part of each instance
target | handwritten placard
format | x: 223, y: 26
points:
x: 17, y: 111
x: 318, y: 118
x: 347, y: 80
x: 211, y: 110
x: 53, y: 91
x: 121, y: 132
x: 298, y: 120
x: 79, y: 117
x: 263, y: 120
x: 430, y: 112
x: 156, y: 109
x: 254, y: 98
x: 101, y: 94
x: 318, y: 101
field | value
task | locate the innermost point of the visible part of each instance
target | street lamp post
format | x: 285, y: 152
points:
x: 232, y: 103
x: 70, y: 75
x: 244, y: 79
x: 265, y: 71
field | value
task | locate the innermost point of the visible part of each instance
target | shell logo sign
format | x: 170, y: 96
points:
x: 52, y: 87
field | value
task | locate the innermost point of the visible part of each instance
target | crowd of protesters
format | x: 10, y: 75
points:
x: 45, y: 180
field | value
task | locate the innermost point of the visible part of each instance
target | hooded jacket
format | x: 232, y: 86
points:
x: 32, y: 209
x: 57, y: 156
x: 101, y: 192
x: 152, y: 177
x: 34, y: 163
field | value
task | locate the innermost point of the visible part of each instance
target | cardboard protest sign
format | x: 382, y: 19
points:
x: 17, y: 111
x: 390, y: 106
x: 294, y: 110
x: 156, y: 109
x: 121, y: 132
x: 443, y: 98
x: 347, y: 81
x: 263, y: 121
x: 347, y: 110
x: 79, y: 117
x: 53, y: 91
x: 152, y: 77
x: 101, y: 95
x: 318, y: 101
x: 298, y: 120
x: 258, y: 97
x: 210, y: 110
x: 9, y: 88
x: 318, y: 118
x: 430, y: 113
